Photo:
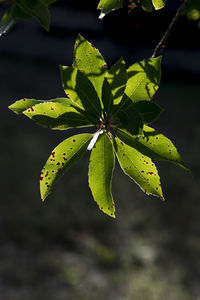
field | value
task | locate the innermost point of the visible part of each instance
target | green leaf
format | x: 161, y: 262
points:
x: 36, y: 8
x: 21, y: 105
x: 107, y: 97
x: 100, y: 174
x: 68, y: 76
x: 7, y: 22
x: 88, y: 60
x: 158, y: 4
x: 148, y: 111
x: 56, y: 116
x: 107, y: 6
x: 131, y: 120
x: 117, y: 78
x: 152, y: 144
x: 18, y: 13
x: 143, y: 79
x: 139, y: 168
x: 62, y: 158
x: 146, y: 5
x: 48, y: 2
x: 80, y: 89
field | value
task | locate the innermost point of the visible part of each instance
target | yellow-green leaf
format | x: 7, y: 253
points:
x: 100, y: 174
x: 21, y: 105
x: 138, y: 167
x: 143, y: 79
x: 153, y: 144
x: 56, y: 116
x: 62, y: 158
x: 158, y: 4
x: 89, y: 60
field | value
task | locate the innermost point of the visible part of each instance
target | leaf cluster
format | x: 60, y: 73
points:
x: 107, y: 6
x: 26, y: 9
x: 117, y: 102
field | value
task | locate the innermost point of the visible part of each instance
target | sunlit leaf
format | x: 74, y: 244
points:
x: 21, y: 105
x: 152, y: 144
x: 56, y: 116
x: 138, y: 167
x: 89, y: 61
x: 143, y: 79
x: 100, y: 174
x: 158, y: 4
x: 62, y: 158
x: 117, y: 78
x: 107, y: 6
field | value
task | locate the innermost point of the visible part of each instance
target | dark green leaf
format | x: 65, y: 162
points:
x: 107, y: 97
x: 62, y: 158
x: 80, y: 89
x: 152, y: 144
x: 146, y: 5
x: 139, y: 168
x: 36, y: 8
x: 148, y: 111
x: 117, y: 78
x: 100, y: 174
x: 88, y: 60
x: 130, y: 119
x: 48, y: 2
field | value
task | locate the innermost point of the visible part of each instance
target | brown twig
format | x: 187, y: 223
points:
x: 159, y: 48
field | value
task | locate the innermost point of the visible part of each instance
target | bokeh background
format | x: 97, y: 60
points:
x: 66, y: 248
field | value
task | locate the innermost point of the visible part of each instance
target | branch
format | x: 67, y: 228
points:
x: 159, y: 48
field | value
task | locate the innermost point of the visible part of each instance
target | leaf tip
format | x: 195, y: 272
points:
x: 162, y: 198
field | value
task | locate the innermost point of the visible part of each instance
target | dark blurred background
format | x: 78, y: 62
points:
x: 66, y: 248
